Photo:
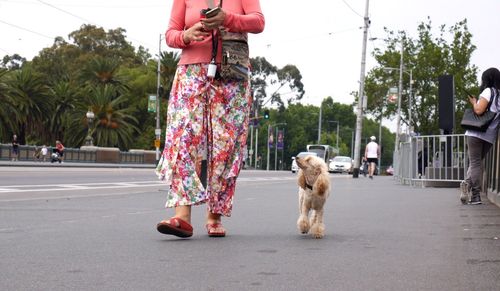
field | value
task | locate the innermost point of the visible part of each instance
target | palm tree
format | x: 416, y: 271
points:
x: 65, y: 99
x: 103, y: 71
x: 168, y: 61
x: 113, y: 125
x: 30, y: 97
x: 9, y: 115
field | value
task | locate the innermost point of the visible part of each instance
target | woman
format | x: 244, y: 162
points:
x: 60, y: 150
x: 207, y: 118
x: 479, y: 143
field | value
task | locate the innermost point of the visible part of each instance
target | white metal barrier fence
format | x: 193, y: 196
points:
x: 432, y: 159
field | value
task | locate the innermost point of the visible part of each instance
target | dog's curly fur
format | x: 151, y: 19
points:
x: 314, y: 189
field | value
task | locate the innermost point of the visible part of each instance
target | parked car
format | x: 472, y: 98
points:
x: 340, y: 164
x: 295, y: 168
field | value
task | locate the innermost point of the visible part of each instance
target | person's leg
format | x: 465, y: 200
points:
x: 228, y: 129
x: 477, y: 151
x: 183, y: 212
x: 371, y: 168
x: 180, y: 163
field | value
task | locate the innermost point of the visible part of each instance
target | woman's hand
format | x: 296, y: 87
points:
x: 194, y: 33
x: 472, y: 100
x: 215, y: 21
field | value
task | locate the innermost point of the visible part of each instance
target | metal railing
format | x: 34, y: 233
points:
x: 442, y: 160
x: 432, y: 158
x: 131, y: 158
x: 491, y: 178
x: 27, y: 153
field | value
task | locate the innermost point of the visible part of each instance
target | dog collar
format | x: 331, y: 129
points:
x: 309, y: 186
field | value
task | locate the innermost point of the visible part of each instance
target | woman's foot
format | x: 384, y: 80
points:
x: 179, y: 225
x: 475, y: 199
x: 214, y: 225
x: 175, y: 226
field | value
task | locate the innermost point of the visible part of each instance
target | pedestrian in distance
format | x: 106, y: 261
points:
x: 60, y: 151
x: 37, y: 154
x: 480, y: 143
x: 44, y: 153
x: 372, y: 154
x: 15, y: 148
x: 208, y: 114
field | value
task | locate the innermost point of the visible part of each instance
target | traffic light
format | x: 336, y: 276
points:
x: 266, y: 114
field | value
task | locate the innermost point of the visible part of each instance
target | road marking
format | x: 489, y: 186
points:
x: 73, y: 187
x: 110, y: 185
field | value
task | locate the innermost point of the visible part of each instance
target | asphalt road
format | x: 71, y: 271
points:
x: 94, y: 229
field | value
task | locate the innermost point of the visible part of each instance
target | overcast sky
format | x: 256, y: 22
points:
x: 323, y: 38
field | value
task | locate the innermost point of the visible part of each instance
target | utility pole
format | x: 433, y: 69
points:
x: 410, y: 96
x: 256, y: 140
x: 250, y: 152
x: 268, y: 133
x: 359, y: 117
x: 319, y: 125
x: 398, y: 117
x: 158, y: 129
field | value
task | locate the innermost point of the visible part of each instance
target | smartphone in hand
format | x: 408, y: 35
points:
x: 211, y: 12
x: 466, y: 92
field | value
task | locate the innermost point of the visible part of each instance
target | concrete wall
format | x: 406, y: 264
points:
x: 108, y: 155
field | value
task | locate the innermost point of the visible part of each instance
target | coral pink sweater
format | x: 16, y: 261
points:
x: 241, y: 16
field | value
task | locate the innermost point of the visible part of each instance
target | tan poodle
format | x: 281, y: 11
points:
x: 314, y: 183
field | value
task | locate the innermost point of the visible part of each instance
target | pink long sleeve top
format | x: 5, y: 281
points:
x: 241, y: 16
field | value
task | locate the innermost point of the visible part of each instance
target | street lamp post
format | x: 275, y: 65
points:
x: 337, y: 139
x: 400, y: 94
x: 90, y: 118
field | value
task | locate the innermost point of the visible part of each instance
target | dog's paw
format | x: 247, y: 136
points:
x: 303, y: 225
x: 318, y: 230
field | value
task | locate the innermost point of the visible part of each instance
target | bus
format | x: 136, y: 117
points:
x: 324, y: 151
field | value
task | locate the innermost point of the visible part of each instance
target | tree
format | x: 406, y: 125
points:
x: 168, y: 62
x: 101, y: 71
x: 428, y: 57
x: 13, y: 62
x: 65, y: 97
x: 10, y: 117
x: 266, y: 77
x: 113, y: 125
x: 92, y: 40
x: 31, y: 103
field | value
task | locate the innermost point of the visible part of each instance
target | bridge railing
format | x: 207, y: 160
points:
x: 81, y: 155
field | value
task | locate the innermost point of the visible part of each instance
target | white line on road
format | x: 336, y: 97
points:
x: 109, y: 185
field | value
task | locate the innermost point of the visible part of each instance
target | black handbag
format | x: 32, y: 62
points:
x: 472, y: 121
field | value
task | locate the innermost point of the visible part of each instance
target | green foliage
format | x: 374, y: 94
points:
x: 266, y: 77
x: 301, y: 129
x: 9, y: 116
x: 428, y: 57
x: 51, y: 94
